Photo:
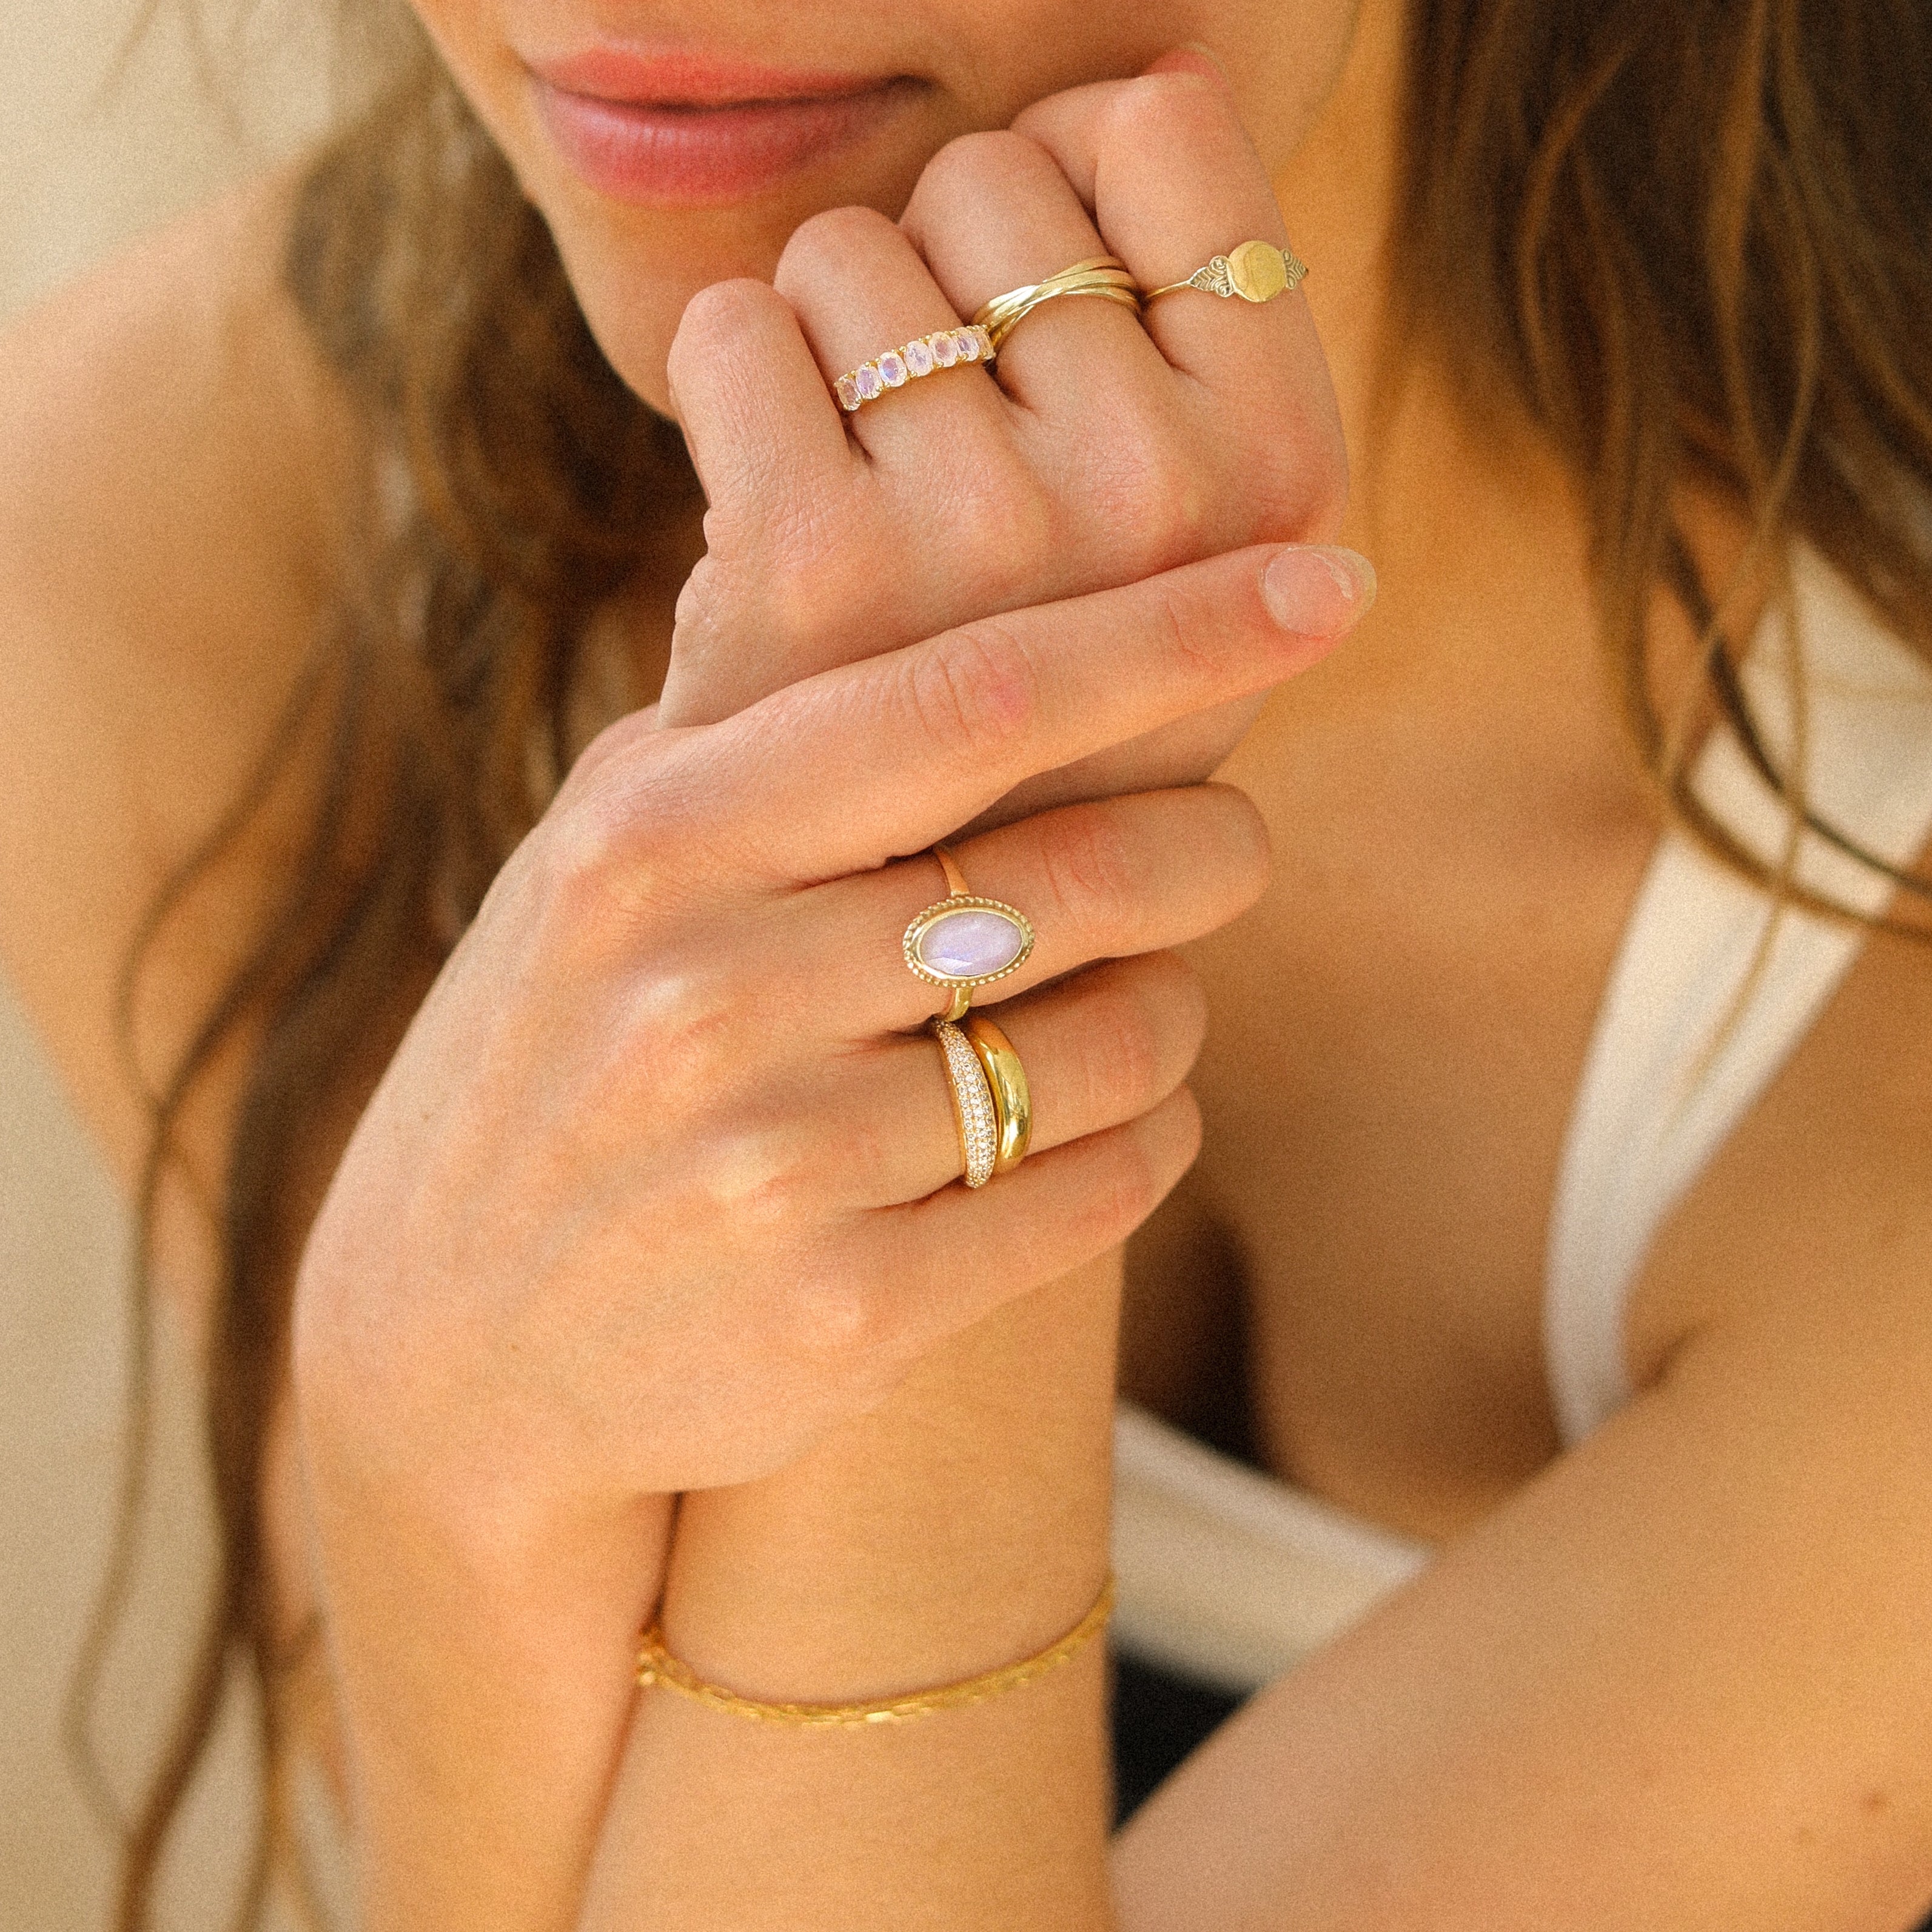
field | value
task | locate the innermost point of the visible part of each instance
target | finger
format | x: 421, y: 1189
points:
x: 1172, y: 179
x: 954, y: 1257
x: 1099, y: 1048
x: 860, y: 290
x: 993, y: 212
x: 1106, y: 880
x: 845, y: 771
x: 744, y: 383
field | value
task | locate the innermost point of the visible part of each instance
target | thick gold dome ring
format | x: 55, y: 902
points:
x: 1006, y: 1080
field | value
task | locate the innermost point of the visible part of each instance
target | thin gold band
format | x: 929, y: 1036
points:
x: 956, y: 880
x: 1006, y: 1080
x: 656, y: 1665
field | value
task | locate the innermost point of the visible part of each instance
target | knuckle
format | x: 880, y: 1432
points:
x: 1126, y: 1189
x: 970, y: 164
x: 1298, y: 479
x: 574, y: 863
x: 829, y: 242
x: 1001, y: 524
x: 840, y: 1318
x: 1092, y: 868
x: 1153, y: 492
x: 1185, y: 627
x: 1162, y: 108
x: 973, y: 693
x: 1127, y: 1074
x: 715, y: 320
x: 692, y: 1025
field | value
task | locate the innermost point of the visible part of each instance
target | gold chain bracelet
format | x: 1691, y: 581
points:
x: 655, y: 1665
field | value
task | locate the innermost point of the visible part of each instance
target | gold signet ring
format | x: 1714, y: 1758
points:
x: 965, y: 941
x: 1257, y: 271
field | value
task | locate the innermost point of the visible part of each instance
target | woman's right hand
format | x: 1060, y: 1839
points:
x: 655, y: 1192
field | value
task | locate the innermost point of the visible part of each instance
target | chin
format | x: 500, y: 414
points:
x: 671, y: 145
x: 634, y: 268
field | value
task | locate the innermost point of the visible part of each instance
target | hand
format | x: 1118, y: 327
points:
x: 654, y: 1192
x: 1106, y: 449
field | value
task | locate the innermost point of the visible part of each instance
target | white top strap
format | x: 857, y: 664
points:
x: 1704, y: 951
x: 1226, y: 1575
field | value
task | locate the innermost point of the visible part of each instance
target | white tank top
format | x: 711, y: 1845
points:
x: 1229, y: 1576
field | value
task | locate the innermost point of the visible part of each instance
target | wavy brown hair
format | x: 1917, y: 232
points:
x: 1693, y: 242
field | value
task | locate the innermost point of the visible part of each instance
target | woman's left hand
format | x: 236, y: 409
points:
x: 1106, y: 448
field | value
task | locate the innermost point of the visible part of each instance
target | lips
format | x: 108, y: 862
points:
x: 683, y: 130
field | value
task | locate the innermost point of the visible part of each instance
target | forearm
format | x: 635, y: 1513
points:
x: 483, y: 1661
x: 961, y: 1527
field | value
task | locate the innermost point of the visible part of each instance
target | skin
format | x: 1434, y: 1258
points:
x: 1684, y: 1664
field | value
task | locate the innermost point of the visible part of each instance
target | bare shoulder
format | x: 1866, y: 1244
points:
x: 167, y: 449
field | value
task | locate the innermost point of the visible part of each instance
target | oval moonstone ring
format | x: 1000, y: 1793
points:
x: 965, y: 941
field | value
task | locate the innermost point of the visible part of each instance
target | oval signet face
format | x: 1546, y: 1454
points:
x: 1258, y: 271
x: 974, y: 944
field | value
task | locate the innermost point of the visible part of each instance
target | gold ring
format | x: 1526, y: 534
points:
x: 1257, y: 271
x: 973, y: 1110
x: 963, y: 941
x: 1006, y: 1077
x: 943, y: 349
x: 1105, y: 276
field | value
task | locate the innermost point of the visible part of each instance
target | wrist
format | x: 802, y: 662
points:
x: 962, y: 1526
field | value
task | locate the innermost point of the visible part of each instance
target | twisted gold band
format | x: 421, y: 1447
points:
x: 656, y: 1665
x: 1105, y: 276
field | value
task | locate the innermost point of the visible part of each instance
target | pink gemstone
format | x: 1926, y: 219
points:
x: 865, y: 380
x: 970, y: 945
x: 968, y: 341
x: 849, y: 397
x: 892, y: 369
x: 919, y: 358
x: 945, y: 350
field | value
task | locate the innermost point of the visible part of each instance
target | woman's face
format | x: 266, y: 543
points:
x: 673, y: 143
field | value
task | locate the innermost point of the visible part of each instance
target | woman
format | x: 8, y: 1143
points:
x: 527, y: 1177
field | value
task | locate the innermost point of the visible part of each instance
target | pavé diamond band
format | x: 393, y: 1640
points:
x: 943, y: 349
x: 964, y: 941
x: 972, y: 1111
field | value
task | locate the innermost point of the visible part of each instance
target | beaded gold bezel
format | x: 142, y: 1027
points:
x: 944, y: 909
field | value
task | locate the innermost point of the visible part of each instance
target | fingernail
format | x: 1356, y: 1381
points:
x: 1316, y: 591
